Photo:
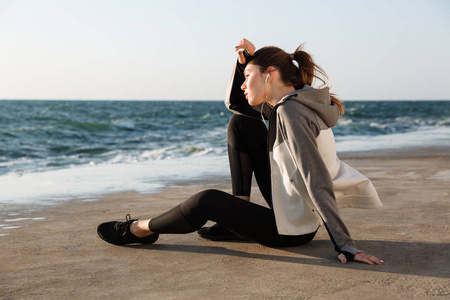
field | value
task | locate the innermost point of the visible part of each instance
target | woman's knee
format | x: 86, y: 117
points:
x: 205, y: 197
x: 235, y: 121
x: 200, y: 201
x: 244, y: 132
x: 233, y: 128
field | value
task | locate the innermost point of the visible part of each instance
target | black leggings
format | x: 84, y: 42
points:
x: 252, y: 221
x: 247, y: 151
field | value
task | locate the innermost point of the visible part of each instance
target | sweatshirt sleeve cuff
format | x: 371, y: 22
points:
x: 350, y: 252
x: 248, y: 58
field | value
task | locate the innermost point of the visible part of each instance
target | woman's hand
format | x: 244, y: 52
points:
x: 362, y: 257
x: 244, y: 45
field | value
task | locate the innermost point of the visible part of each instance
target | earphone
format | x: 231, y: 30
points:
x: 267, y: 77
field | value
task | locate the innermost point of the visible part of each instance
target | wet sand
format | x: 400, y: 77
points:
x: 58, y: 255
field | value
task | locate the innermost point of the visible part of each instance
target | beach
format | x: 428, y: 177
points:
x: 55, y: 252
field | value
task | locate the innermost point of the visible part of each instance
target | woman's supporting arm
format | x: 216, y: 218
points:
x: 300, y: 128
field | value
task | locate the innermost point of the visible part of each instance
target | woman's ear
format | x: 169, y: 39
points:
x: 269, y: 72
x: 271, y: 69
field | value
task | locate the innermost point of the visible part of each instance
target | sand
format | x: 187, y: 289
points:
x: 58, y: 255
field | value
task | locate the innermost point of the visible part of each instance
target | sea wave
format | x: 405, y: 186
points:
x: 424, y: 137
x: 87, y: 182
x: 62, y: 150
x: 39, y: 136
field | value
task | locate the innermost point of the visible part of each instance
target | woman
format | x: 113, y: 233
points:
x: 305, y: 178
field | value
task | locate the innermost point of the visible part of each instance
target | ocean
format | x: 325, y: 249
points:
x: 53, y: 151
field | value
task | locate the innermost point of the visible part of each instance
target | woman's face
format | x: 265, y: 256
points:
x: 253, y: 85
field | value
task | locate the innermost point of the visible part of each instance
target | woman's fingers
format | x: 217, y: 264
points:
x: 342, y: 258
x: 367, y: 258
x: 241, y: 57
x: 244, y: 45
x: 362, y: 257
x: 247, y: 45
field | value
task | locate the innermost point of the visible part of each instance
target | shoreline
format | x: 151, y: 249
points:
x: 406, y: 152
x: 58, y: 255
x: 410, y: 152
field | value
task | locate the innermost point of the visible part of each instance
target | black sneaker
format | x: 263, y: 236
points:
x: 218, y: 233
x: 118, y: 233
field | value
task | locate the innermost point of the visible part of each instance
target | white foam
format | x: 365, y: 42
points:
x: 423, y: 138
x: 144, y: 175
x: 88, y: 181
x: 23, y: 219
x: 11, y: 227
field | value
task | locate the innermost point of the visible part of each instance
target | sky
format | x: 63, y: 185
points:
x: 184, y: 50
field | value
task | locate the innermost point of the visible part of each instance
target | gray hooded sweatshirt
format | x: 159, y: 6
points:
x: 308, y: 179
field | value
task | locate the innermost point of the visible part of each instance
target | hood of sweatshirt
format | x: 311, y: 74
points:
x: 319, y: 101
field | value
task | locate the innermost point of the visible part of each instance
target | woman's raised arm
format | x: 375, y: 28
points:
x: 247, y: 46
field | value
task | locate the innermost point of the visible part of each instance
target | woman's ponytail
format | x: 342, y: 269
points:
x: 297, y: 69
x: 308, y: 72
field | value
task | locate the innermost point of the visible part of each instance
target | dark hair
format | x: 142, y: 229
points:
x: 306, y: 73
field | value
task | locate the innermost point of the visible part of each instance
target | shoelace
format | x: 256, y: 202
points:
x: 126, y: 225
